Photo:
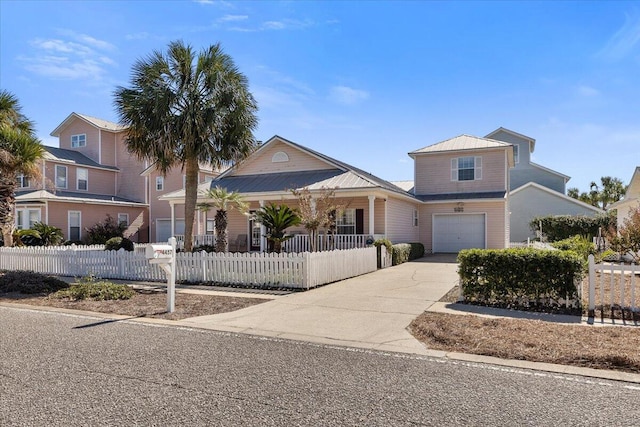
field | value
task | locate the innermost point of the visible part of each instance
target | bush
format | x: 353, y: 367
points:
x: 47, y: 235
x: 117, y: 243
x: 562, y: 227
x: 206, y: 248
x: 98, y: 291
x: 578, y: 245
x: 521, y: 278
x: 101, y: 232
x: 28, y: 282
x: 403, y: 252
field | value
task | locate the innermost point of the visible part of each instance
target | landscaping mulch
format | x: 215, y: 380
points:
x: 144, y: 304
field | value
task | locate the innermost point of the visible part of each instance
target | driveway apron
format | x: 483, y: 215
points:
x: 370, y: 311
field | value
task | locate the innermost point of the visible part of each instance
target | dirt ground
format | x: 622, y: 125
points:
x: 144, y: 304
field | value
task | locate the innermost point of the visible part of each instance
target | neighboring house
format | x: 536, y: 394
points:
x: 92, y: 175
x: 459, y: 201
x: 630, y: 201
x: 535, y: 189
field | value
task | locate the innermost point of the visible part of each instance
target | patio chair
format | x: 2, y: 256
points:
x: 239, y: 245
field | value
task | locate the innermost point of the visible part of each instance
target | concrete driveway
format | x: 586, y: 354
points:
x: 369, y: 311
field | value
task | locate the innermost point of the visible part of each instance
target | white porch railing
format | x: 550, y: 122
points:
x: 613, y: 288
x: 300, y: 242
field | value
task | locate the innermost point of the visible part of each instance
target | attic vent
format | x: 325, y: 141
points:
x: 280, y: 157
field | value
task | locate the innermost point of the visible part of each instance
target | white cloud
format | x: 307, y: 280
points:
x: 348, y: 96
x: 625, y: 40
x: 72, y: 57
x: 137, y: 36
x: 587, y: 91
x: 233, y: 18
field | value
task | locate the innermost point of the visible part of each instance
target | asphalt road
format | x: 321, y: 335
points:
x: 77, y: 371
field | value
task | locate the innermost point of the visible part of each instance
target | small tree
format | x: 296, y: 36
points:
x: 317, y: 212
x: 276, y: 219
x: 223, y: 201
x: 626, y: 241
x: 103, y: 231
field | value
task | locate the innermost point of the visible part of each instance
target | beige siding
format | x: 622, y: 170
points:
x: 108, y: 144
x: 93, y: 214
x: 131, y: 185
x: 400, y: 228
x: 433, y: 173
x: 495, y: 221
x: 79, y: 126
x: 298, y: 161
x: 100, y: 181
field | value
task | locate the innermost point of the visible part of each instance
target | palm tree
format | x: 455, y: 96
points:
x: 222, y: 201
x: 184, y: 109
x: 20, y: 152
x: 276, y: 219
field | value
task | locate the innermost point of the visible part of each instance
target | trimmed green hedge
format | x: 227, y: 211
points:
x: 521, y: 278
x: 561, y: 227
x: 403, y: 252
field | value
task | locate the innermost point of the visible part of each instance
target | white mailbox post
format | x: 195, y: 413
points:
x: 165, y: 257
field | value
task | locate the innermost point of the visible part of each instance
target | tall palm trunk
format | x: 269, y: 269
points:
x: 221, y: 230
x: 7, y: 204
x: 190, y: 196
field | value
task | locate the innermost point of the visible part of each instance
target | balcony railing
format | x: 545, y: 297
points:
x: 300, y: 242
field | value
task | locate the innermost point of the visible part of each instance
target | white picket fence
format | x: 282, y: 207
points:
x: 613, y: 286
x: 291, y: 270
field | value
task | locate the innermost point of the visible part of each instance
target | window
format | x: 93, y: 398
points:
x: 159, y: 183
x: 466, y: 169
x: 78, y: 141
x: 208, y: 178
x: 346, y: 223
x: 516, y: 154
x: 415, y: 217
x: 82, y: 179
x: 211, y: 226
x: 74, y: 225
x: 123, y: 218
x: 22, y: 181
x: 61, y: 176
x: 25, y: 218
x: 184, y: 181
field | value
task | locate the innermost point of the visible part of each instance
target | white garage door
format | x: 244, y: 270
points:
x: 452, y: 233
x: 163, y: 229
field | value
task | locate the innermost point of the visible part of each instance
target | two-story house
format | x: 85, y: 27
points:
x: 460, y: 199
x: 90, y: 175
x: 534, y: 189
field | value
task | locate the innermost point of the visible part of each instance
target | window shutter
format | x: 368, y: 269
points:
x: 478, y: 168
x: 454, y: 169
x: 359, y: 221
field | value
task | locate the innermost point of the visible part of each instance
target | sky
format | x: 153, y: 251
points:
x: 365, y: 82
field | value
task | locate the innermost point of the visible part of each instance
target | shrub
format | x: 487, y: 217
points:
x: 103, y: 231
x: 47, y: 235
x: 561, y: 227
x: 521, y: 278
x: 206, y: 248
x: 379, y: 243
x: 403, y: 252
x: 580, y: 245
x: 98, y: 291
x: 117, y: 243
x: 28, y: 282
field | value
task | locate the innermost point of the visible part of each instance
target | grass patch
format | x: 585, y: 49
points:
x: 28, y: 282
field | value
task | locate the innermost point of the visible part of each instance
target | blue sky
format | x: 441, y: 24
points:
x: 365, y: 82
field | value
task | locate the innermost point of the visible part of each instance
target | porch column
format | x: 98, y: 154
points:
x: 173, y: 219
x: 386, y: 220
x: 263, y: 231
x: 372, y: 214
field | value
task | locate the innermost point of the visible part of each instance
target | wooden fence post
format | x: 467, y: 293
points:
x: 592, y: 289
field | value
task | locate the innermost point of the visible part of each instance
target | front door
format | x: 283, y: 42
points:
x: 254, y: 232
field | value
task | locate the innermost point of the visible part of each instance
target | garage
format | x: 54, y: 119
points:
x: 452, y: 233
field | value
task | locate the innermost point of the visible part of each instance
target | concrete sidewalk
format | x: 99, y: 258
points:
x: 370, y: 311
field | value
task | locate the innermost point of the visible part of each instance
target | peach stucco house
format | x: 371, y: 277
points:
x: 90, y: 175
x: 459, y: 198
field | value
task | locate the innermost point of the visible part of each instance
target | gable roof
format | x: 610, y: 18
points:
x: 94, y: 121
x: 351, y: 177
x: 532, y: 142
x: 73, y: 197
x: 546, y: 169
x: 71, y: 156
x: 633, y: 191
x: 556, y: 194
x: 461, y: 143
